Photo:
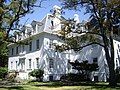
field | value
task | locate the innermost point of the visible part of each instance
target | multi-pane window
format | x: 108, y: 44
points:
x: 51, y: 63
x: 17, y: 50
x: 30, y: 46
x: 37, y: 62
x: 22, y: 64
x: 12, y: 51
x: 37, y: 44
x: 29, y: 63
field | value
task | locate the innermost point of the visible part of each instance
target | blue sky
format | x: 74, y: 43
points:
x: 47, y: 5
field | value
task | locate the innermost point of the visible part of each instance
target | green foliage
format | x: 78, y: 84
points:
x: 3, y: 54
x: 3, y: 72
x: 38, y: 73
x: 10, y: 13
x: 84, y: 67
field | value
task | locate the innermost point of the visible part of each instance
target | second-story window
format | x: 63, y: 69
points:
x: 37, y: 44
x: 30, y: 46
x: 23, y: 48
x: 12, y: 51
x: 17, y: 50
x: 51, y: 63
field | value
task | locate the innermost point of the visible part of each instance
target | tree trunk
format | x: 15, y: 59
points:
x: 112, y: 76
x: 109, y: 53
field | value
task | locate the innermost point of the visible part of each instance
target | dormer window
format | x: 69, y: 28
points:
x: 52, y: 23
x: 38, y: 27
x: 29, y: 33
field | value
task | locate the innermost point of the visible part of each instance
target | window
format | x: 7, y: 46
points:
x: 37, y: 44
x: 37, y: 62
x: 50, y: 45
x: 11, y: 65
x: 51, y: 63
x: 29, y: 63
x: 30, y: 46
x: 38, y: 27
x: 30, y: 33
x: 118, y: 47
x: 16, y: 64
x: 19, y: 36
x: 95, y: 60
x: 23, y: 48
x: 52, y: 23
x: 22, y: 64
x: 17, y: 50
x: 12, y: 51
x: 51, y: 78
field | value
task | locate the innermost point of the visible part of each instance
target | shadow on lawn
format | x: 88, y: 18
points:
x: 12, y: 87
x: 92, y: 85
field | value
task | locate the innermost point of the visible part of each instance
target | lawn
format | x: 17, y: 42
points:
x: 58, y: 86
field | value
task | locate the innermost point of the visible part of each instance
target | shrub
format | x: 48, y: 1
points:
x: 38, y: 73
x: 3, y: 72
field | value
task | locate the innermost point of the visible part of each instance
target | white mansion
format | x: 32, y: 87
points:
x: 40, y: 52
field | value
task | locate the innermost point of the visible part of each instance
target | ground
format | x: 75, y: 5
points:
x: 56, y: 86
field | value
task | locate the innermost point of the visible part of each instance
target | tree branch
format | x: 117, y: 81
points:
x: 87, y: 32
x: 17, y: 16
x: 81, y: 47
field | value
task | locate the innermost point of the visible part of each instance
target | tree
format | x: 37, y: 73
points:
x: 10, y: 13
x: 84, y: 68
x: 103, y: 26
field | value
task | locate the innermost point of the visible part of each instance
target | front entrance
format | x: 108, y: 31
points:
x: 96, y: 78
x: 51, y: 78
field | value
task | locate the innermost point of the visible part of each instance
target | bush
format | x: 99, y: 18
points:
x: 38, y: 73
x: 3, y: 72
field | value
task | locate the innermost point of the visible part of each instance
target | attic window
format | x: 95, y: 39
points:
x: 52, y: 23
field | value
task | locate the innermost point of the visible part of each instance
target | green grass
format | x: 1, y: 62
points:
x: 59, y: 86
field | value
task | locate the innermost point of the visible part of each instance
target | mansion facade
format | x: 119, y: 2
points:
x: 40, y: 52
